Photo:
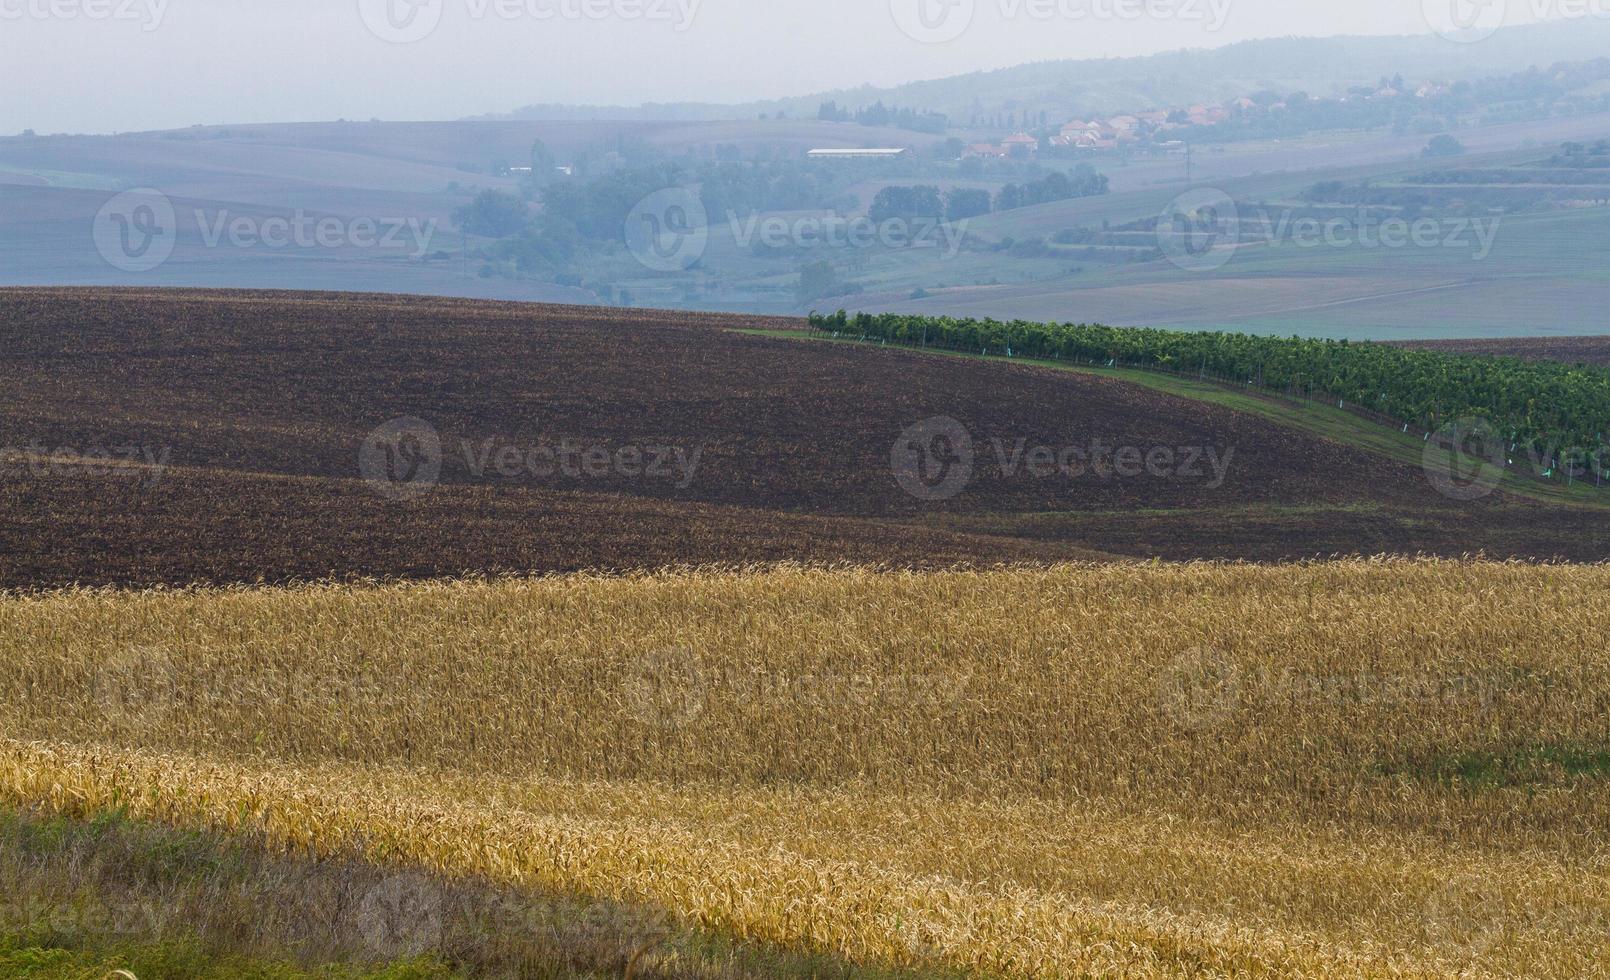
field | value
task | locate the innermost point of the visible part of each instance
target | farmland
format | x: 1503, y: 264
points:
x: 1008, y: 263
x: 256, y: 408
x: 1566, y: 350
x: 273, y: 703
x: 1313, y: 770
x: 1540, y: 403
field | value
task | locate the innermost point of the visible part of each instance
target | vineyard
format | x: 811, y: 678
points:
x: 1558, y: 410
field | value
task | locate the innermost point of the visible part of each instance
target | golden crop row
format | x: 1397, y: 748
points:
x: 1365, y: 768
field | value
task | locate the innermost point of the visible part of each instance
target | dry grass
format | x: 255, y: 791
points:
x: 1355, y: 768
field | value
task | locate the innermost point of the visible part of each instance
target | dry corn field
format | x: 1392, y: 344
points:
x: 1358, y: 768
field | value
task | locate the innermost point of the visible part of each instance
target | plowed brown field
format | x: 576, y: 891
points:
x: 1570, y: 350
x: 260, y: 405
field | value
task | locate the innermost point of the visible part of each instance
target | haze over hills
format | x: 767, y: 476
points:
x: 1320, y: 66
x: 1516, y: 228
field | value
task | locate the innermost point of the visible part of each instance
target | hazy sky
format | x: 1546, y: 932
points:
x: 106, y: 65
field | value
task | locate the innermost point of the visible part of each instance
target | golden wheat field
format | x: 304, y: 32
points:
x: 1357, y: 768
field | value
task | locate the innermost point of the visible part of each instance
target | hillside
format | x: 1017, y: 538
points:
x: 1320, y: 66
x: 239, y: 423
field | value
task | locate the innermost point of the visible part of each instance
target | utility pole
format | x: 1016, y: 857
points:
x: 1190, y: 170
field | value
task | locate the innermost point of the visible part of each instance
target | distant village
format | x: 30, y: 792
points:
x: 1126, y: 129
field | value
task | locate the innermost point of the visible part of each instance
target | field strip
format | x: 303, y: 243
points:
x: 1316, y: 418
x: 1366, y: 298
x: 1354, y: 768
x: 770, y: 886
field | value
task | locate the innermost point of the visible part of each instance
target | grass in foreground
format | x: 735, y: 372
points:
x: 105, y: 893
x: 1140, y: 770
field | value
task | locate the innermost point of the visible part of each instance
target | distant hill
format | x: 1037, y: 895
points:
x: 1320, y: 66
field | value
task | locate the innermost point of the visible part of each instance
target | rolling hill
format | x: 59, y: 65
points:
x: 1320, y: 66
x: 239, y: 425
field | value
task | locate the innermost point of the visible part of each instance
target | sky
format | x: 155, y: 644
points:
x: 97, y: 66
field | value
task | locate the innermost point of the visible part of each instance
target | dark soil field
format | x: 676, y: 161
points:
x: 1570, y: 350
x: 578, y: 438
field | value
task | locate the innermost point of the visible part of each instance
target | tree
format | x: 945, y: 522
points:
x: 493, y: 214
x: 818, y: 280
x: 966, y: 202
x: 830, y: 112
x: 907, y: 203
x: 1444, y: 146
